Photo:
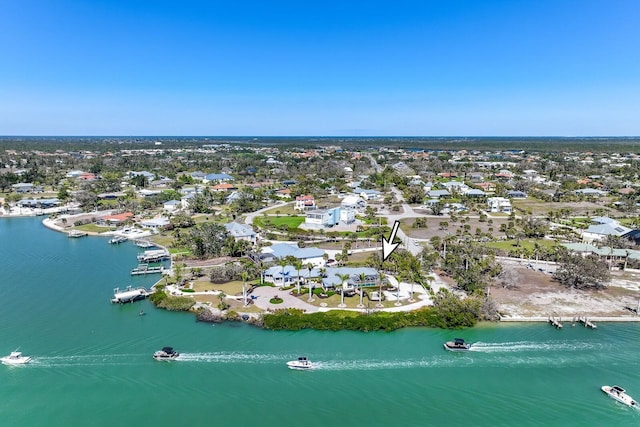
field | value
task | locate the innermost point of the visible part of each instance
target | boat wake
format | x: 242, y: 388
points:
x: 367, y: 365
x: 534, y: 346
x: 229, y: 357
x: 85, y: 360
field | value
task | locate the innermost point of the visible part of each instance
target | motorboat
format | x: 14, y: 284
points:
x: 457, y: 344
x: 302, y: 364
x: 167, y: 353
x: 15, y: 358
x: 617, y: 393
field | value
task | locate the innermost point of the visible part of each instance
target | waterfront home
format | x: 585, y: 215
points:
x: 330, y: 279
x: 155, y: 223
x: 117, y: 219
x: 289, y: 275
x: 241, y: 232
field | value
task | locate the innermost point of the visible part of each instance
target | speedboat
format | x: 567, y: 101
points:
x: 302, y: 364
x: 15, y: 358
x: 457, y: 344
x: 617, y: 393
x: 167, y: 353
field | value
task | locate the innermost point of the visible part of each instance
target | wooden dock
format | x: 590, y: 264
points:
x: 587, y: 323
x: 153, y: 256
x: 555, y: 322
x: 144, y: 269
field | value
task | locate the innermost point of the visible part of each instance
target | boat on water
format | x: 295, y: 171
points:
x: 457, y: 344
x: 302, y: 364
x: 167, y: 353
x: 15, y: 358
x: 618, y: 393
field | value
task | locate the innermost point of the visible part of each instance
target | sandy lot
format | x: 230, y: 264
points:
x: 537, y: 295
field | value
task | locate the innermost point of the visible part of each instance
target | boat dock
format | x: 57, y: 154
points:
x: 117, y: 240
x: 129, y: 295
x: 141, y: 243
x: 77, y: 233
x: 586, y: 322
x: 555, y: 322
x: 155, y: 255
x: 145, y: 269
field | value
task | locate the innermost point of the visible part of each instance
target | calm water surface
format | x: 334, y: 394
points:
x: 92, y: 360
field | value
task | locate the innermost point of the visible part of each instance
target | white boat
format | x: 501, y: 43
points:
x: 617, y: 393
x: 15, y: 358
x: 302, y: 364
x: 457, y: 344
x: 167, y: 353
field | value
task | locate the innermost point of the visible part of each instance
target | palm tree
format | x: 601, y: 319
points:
x: 310, y: 266
x: 282, y: 263
x: 298, y: 266
x: 362, y: 278
x: 343, y: 279
x: 244, y: 275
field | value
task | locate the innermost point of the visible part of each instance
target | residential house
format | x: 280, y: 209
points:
x: 156, y: 223
x: 217, y: 177
x: 320, y: 218
x: 516, y: 194
x: 172, y: 205
x: 305, y: 202
x: 498, y: 204
x: 241, y: 232
x: 353, y: 202
x: 603, y: 227
x: 278, y: 251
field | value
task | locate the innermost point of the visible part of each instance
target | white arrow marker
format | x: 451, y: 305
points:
x: 387, y: 245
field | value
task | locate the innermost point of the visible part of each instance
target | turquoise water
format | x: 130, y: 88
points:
x: 92, y: 360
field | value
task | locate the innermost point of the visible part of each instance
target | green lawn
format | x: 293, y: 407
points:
x: 92, y: 228
x: 508, y: 245
x: 275, y: 221
x: 282, y: 210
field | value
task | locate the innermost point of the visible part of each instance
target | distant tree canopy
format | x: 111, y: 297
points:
x: 580, y: 272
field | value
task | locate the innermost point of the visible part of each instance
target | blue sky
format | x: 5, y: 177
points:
x: 328, y: 68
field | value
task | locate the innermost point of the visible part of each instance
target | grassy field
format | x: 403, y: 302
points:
x: 92, y: 228
x: 289, y: 221
x: 508, y: 245
x: 282, y: 210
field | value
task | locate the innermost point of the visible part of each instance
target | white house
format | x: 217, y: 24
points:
x: 155, y: 223
x: 322, y: 218
x: 353, y: 202
x: 305, y: 202
x: 498, y: 204
x: 347, y: 216
x: 172, y: 205
x: 241, y: 232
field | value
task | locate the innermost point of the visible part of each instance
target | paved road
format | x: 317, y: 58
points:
x: 249, y: 218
